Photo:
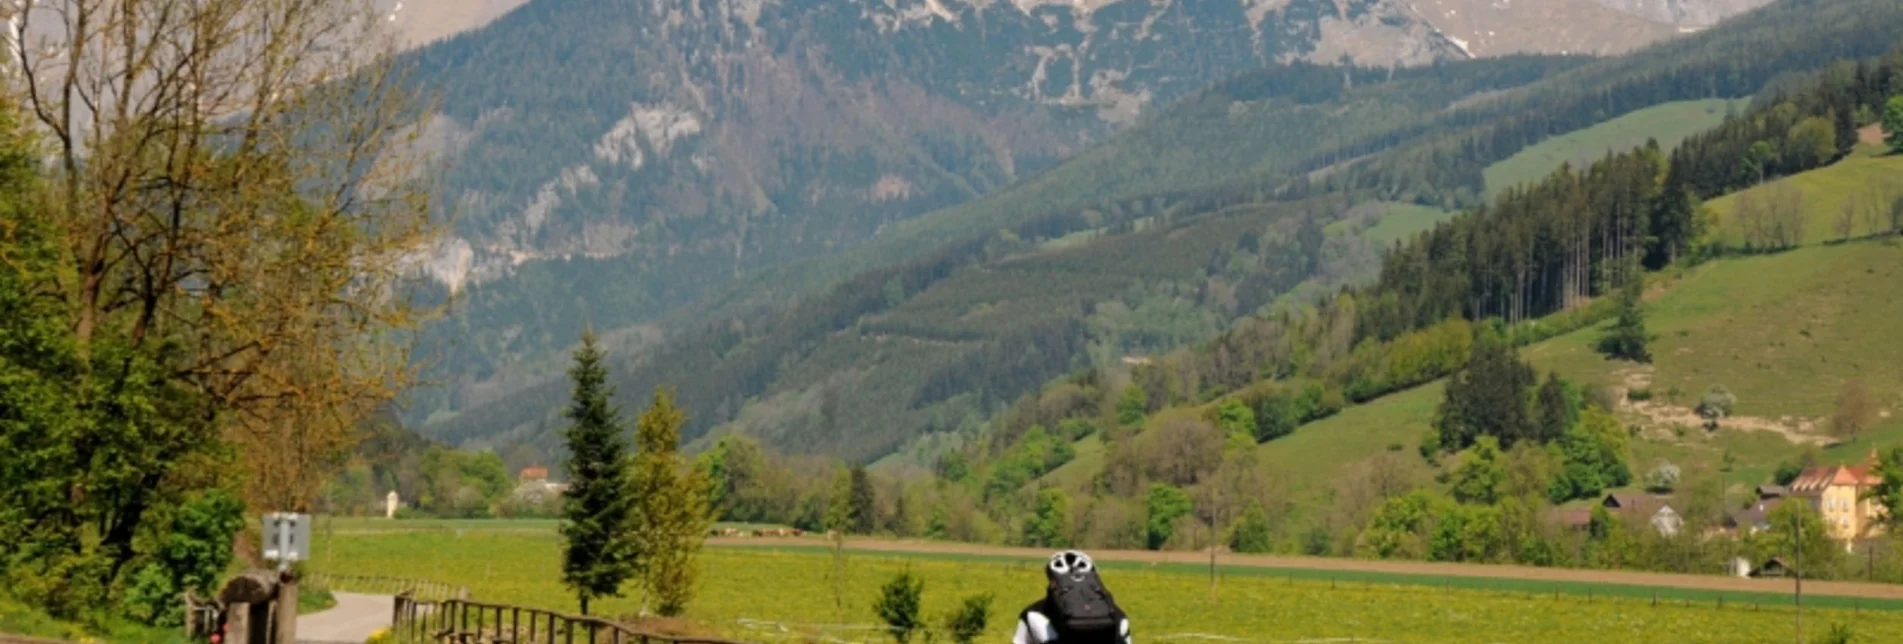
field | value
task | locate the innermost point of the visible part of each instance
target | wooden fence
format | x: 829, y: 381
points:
x: 378, y: 585
x: 460, y: 621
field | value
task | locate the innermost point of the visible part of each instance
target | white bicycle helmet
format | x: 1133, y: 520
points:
x: 1069, y: 562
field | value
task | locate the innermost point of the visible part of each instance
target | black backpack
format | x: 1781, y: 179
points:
x: 1082, y: 610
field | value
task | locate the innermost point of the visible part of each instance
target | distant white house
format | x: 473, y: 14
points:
x: 535, y: 487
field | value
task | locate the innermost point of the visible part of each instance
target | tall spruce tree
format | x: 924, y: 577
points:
x: 1627, y: 338
x: 598, y: 552
x: 863, y: 501
x: 1555, y: 410
x: 671, y: 514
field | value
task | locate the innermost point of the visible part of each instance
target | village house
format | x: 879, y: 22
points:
x: 1838, y: 493
x: 1756, y: 518
x: 1656, y: 510
x: 535, y: 488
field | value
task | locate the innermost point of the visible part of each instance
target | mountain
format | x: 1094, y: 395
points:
x: 615, y: 160
x: 1052, y: 275
x: 420, y: 22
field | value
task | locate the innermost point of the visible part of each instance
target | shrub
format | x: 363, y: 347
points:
x: 1716, y: 405
x: 1663, y: 478
x: 968, y: 622
x: 898, y: 605
x: 1253, y: 535
x: 1639, y: 395
x: 1838, y: 634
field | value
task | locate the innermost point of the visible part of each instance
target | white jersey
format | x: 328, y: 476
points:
x: 1035, y: 628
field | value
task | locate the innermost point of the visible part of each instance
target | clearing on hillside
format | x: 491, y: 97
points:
x: 1670, y: 123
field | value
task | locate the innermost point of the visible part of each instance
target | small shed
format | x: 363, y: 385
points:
x: 1776, y: 567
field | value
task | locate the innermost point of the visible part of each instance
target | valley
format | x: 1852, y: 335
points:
x: 830, y: 320
x: 1194, y: 165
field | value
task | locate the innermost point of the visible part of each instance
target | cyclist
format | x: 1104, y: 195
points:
x: 1076, y: 608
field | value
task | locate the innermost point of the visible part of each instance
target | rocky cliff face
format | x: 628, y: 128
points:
x: 1684, y: 13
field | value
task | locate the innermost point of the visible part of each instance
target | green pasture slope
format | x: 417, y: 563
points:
x: 1670, y: 123
x: 1782, y: 332
x: 798, y: 593
x: 1871, y: 176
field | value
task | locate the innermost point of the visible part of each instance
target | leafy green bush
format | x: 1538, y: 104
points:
x: 191, y: 555
x: 1164, y: 505
x: 1252, y: 535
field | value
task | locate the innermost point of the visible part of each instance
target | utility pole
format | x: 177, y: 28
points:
x: 1797, y: 533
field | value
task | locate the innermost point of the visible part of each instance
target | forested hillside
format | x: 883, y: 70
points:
x: 617, y: 161
x: 1540, y: 262
x: 1000, y: 311
x: 855, y: 371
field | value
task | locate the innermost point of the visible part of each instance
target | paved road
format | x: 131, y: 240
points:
x: 351, y: 621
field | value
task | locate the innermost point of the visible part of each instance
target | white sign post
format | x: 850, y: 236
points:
x: 287, y: 538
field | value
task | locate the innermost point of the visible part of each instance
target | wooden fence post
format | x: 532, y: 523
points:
x: 287, y: 610
x: 238, y: 623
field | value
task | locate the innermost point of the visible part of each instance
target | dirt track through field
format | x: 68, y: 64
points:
x: 1714, y: 583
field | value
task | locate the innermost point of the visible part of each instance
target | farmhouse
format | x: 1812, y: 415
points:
x: 1656, y: 510
x: 1838, y: 494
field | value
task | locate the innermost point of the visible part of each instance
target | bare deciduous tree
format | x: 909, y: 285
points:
x: 236, y: 178
x: 1872, y: 209
x: 1846, y: 222
x: 1785, y: 216
x: 1183, y: 451
x: 1750, y: 215
x: 1856, y: 410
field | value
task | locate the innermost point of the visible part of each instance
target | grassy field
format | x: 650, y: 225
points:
x: 761, y: 594
x: 1309, y: 459
x: 1404, y: 221
x: 1669, y: 123
x: 1869, y: 175
x: 374, y: 525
